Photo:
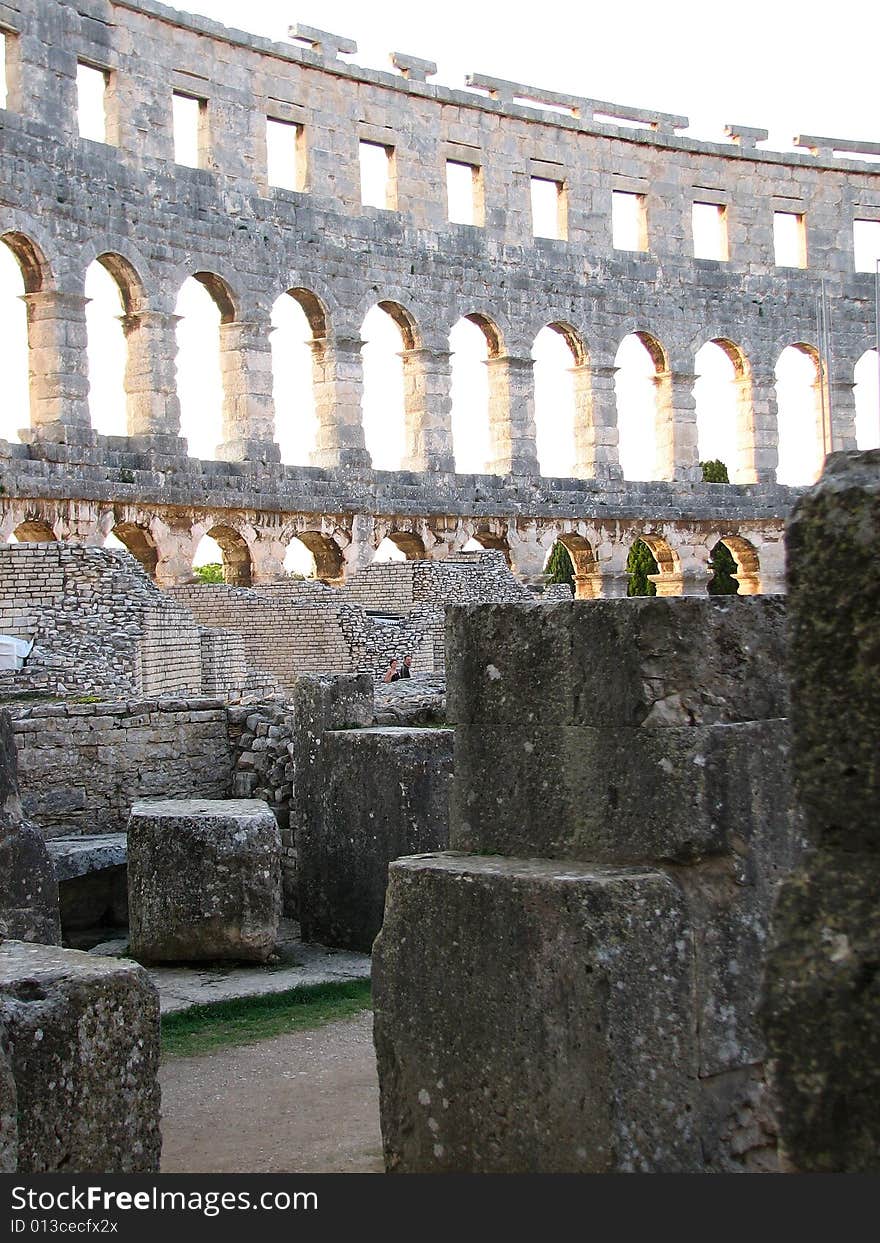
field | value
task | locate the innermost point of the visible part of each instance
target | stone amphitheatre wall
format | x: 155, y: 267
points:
x: 153, y: 223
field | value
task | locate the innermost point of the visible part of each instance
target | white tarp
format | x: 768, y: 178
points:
x: 13, y: 651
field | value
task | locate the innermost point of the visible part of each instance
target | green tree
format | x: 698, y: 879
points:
x: 723, y: 566
x: 560, y: 568
x: 210, y: 573
x: 639, y: 564
x: 714, y: 471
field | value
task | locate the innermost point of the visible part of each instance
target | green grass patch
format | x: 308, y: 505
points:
x: 204, y: 1029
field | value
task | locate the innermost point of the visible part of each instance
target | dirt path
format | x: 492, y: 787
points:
x: 307, y: 1102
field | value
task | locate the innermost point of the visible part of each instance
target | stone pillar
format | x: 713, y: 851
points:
x: 427, y: 398
x: 821, y: 1012
x: 150, y: 375
x: 339, y: 380
x: 843, y: 428
x: 757, y: 434
x: 512, y: 417
x: 58, y: 366
x: 595, y: 423
x: 248, y: 408
x: 677, y: 455
x: 823, y: 421
x: 618, y: 816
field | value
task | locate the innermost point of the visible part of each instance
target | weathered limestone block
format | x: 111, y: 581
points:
x: 677, y: 794
x: 8, y: 1112
x: 28, y: 889
x: 384, y: 793
x: 204, y: 880
x: 822, y: 1005
x: 82, y: 1038
x: 542, y: 1035
x: 644, y: 661
x: 339, y: 701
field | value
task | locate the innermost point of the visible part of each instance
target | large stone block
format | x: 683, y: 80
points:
x: 615, y: 795
x: 204, y: 880
x: 8, y: 1112
x: 821, y: 1011
x: 608, y: 663
x: 28, y: 889
x: 383, y: 793
x: 834, y: 650
x: 82, y: 1041
x: 532, y: 1016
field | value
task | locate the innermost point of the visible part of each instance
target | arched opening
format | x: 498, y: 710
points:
x: 387, y: 330
x: 298, y: 319
x: 312, y: 555
x: 650, y: 558
x: 487, y: 540
x: 571, y: 560
x: 203, y: 303
x: 722, y: 563
x: 719, y: 366
x: 639, y: 360
x: 556, y: 350
x: 640, y: 566
x: 33, y: 531
x: 401, y: 546
x: 867, y: 401
x: 799, y: 407
x: 474, y: 339
x: 224, y: 547
x: 15, y: 408
x: 747, y: 567
x: 136, y: 540
x: 107, y: 350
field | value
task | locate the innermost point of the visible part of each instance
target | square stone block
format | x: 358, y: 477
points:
x: 204, y: 880
x: 646, y: 661
x: 82, y: 1043
x: 678, y: 794
x: 533, y: 1016
x: 383, y: 793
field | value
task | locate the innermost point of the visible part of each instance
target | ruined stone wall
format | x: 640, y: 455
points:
x: 81, y: 766
x: 97, y: 622
x: 160, y: 222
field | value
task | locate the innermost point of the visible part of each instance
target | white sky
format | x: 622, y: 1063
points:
x: 806, y: 68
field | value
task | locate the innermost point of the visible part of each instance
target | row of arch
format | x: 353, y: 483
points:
x: 316, y: 555
x: 400, y: 377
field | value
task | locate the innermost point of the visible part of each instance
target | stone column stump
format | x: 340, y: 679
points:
x: 204, y: 880
x: 79, y: 1057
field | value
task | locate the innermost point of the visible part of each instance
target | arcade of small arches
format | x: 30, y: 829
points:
x: 285, y: 383
x: 256, y: 549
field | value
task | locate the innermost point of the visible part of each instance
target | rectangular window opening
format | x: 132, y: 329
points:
x: 464, y: 196
x: 91, y: 97
x: 866, y: 244
x: 709, y: 224
x: 377, y: 175
x: 789, y: 239
x: 548, y: 208
x: 285, y: 155
x: 189, y: 117
x: 629, y: 229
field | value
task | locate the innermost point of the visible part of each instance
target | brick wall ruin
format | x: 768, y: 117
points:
x: 97, y: 623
